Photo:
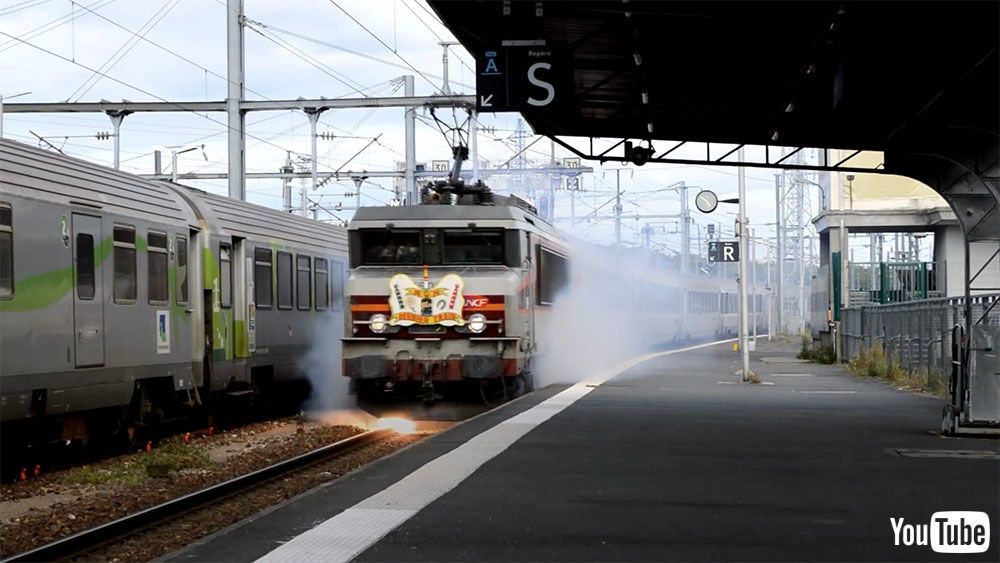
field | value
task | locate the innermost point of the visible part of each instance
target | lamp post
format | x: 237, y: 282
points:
x: 9, y: 96
x: 173, y: 159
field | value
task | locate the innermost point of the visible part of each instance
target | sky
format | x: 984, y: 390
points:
x: 295, y: 48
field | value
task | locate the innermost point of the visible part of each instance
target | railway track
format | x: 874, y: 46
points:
x: 98, y: 537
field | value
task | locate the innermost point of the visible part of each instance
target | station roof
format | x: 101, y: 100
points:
x: 919, y: 81
x: 822, y: 74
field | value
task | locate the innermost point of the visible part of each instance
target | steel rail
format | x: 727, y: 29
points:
x: 93, y: 538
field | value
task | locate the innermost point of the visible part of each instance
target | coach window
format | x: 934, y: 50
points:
x: 322, y: 285
x: 304, y: 287
x: 284, y: 280
x: 85, y: 266
x: 181, y: 244
x: 156, y: 261
x: 6, y: 251
x: 125, y: 276
x: 225, y: 275
x: 263, y: 293
x: 337, y: 283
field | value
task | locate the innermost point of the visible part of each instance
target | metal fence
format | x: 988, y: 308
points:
x: 895, y: 282
x: 918, y: 333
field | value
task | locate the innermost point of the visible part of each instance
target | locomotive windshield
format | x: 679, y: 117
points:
x: 381, y: 247
x: 391, y: 247
x: 472, y: 247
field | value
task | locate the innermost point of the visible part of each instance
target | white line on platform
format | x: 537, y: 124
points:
x: 348, y: 534
x: 829, y: 392
x: 792, y: 375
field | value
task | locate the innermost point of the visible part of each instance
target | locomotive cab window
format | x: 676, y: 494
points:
x: 125, y: 275
x: 225, y: 275
x: 322, y: 285
x: 6, y: 252
x: 284, y: 280
x: 262, y: 269
x: 304, y: 288
x: 181, y: 244
x: 473, y: 246
x: 85, y: 266
x: 156, y: 260
x: 384, y: 246
x: 553, y: 275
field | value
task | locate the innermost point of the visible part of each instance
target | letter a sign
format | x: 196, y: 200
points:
x: 519, y: 76
x: 724, y: 251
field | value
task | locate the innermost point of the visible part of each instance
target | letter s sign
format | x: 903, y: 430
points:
x: 551, y: 91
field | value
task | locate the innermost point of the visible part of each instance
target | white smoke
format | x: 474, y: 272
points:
x: 593, y: 325
x: 330, y: 400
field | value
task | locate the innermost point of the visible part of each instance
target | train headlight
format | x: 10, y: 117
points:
x: 477, y: 323
x: 378, y: 323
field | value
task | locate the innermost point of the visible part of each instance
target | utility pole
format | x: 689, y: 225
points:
x: 753, y: 283
x: 474, y: 145
x: 618, y: 207
x: 685, y: 228
x: 446, y: 87
x: 313, y: 115
x: 286, y: 184
x: 116, y: 123
x: 770, y: 293
x: 744, y: 349
x: 779, y: 251
x: 357, y: 190
x: 410, y: 129
x: 572, y: 197
x: 235, y: 117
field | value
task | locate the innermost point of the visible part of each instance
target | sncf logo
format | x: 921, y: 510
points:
x: 476, y: 301
x: 947, y: 532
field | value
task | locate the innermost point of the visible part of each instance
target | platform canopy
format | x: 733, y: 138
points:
x: 917, y: 80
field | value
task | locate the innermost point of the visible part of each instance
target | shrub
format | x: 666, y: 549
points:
x: 874, y: 363
x: 821, y: 355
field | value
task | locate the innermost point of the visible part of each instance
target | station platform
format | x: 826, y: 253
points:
x: 666, y: 457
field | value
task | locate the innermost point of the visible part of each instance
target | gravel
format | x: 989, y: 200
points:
x: 262, y: 444
x: 162, y: 540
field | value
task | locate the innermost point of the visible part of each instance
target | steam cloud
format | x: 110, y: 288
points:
x: 330, y: 400
x: 594, y: 324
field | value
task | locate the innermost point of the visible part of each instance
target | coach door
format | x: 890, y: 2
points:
x: 88, y: 294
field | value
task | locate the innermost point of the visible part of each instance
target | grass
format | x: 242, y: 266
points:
x: 173, y: 455
x: 821, y: 355
x: 875, y: 364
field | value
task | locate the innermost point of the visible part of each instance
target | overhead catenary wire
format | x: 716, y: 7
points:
x: 18, y: 6
x: 303, y: 37
x: 180, y: 107
x: 123, y: 50
x: 436, y: 34
x: 49, y: 26
x: 168, y: 50
x: 386, y: 45
x: 308, y: 59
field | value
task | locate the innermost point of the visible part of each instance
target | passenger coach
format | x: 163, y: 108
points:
x: 125, y: 301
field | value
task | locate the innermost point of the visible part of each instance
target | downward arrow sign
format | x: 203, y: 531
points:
x: 486, y: 101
